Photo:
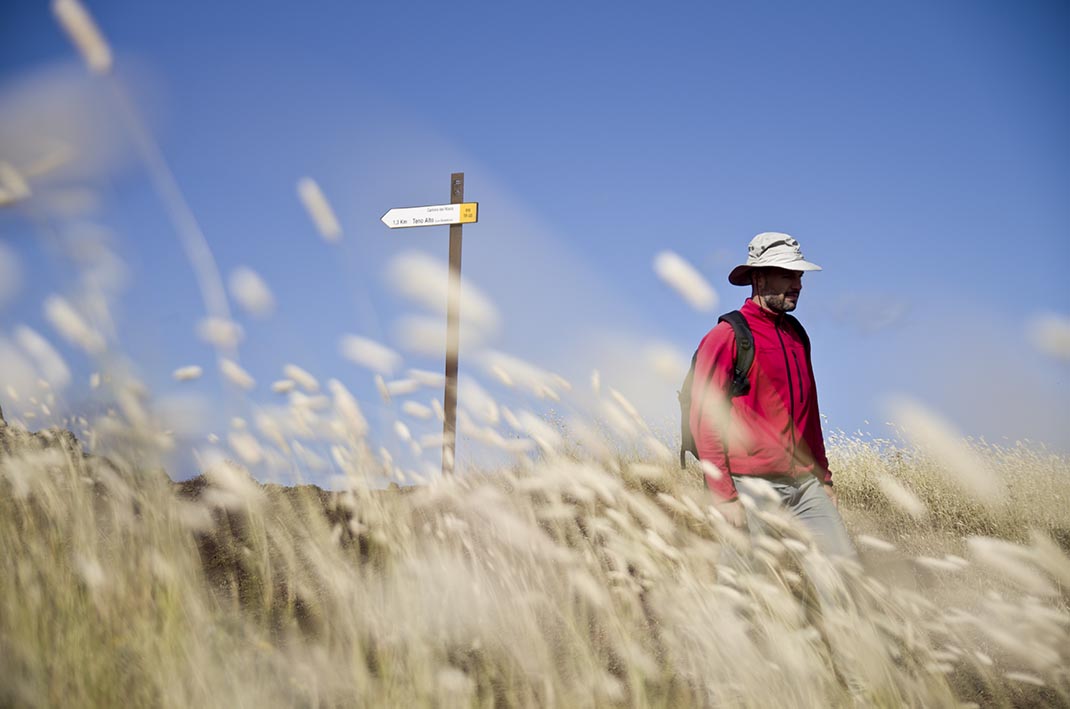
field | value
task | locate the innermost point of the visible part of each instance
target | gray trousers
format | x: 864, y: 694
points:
x: 807, y: 503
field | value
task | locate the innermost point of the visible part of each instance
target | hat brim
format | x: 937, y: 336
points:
x: 740, y: 275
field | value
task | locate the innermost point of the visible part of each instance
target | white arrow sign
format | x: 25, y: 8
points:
x: 434, y: 215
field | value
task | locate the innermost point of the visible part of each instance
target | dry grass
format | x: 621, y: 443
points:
x: 564, y: 583
x: 1035, y: 479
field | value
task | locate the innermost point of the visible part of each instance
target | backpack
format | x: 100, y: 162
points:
x: 740, y: 383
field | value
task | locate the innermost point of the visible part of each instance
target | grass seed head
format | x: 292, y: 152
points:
x: 519, y: 373
x: 540, y: 431
x: 901, y: 497
x: 1047, y: 555
x: 221, y: 333
x: 874, y: 543
x: 283, y: 386
x: 71, y: 326
x: 417, y: 410
x: 236, y: 375
x: 251, y: 292
x: 230, y: 486
x: 934, y: 435
x: 48, y: 361
x: 682, y: 277
x: 1025, y: 678
x: 1014, y: 562
x: 369, y: 354
x: 84, y: 34
x: 433, y: 380
x: 301, y: 377
x: 246, y: 446
x: 13, y: 186
x: 941, y: 565
x: 319, y: 209
x: 187, y: 374
x: 402, y: 387
x: 424, y: 280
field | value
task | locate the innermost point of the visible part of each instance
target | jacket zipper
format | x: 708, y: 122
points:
x: 795, y: 356
x: 791, y: 396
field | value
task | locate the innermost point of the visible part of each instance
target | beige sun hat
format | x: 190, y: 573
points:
x: 771, y: 248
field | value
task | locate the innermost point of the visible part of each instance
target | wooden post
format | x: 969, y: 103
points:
x: 453, y: 335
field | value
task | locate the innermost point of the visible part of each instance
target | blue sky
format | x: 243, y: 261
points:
x: 918, y: 150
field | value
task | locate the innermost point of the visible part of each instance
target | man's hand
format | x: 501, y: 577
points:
x: 832, y: 495
x: 734, y: 513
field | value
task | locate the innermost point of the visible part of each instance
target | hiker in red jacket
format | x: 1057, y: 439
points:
x: 771, y: 433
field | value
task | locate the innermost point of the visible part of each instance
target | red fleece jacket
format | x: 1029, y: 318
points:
x: 775, y: 428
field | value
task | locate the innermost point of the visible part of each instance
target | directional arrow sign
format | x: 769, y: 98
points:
x: 434, y: 215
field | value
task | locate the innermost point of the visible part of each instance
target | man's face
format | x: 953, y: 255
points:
x: 778, y: 288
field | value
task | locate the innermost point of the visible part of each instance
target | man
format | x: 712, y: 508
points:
x: 772, y: 432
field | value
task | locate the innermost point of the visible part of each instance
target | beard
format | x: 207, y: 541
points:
x: 779, y: 303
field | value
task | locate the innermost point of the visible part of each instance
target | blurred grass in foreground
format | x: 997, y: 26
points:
x: 569, y: 583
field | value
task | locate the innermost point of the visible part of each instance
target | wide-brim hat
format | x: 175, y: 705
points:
x: 771, y: 249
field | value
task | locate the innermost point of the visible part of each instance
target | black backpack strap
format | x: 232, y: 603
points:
x: 740, y: 384
x: 744, y: 353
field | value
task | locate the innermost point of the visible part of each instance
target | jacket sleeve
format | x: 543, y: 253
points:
x: 710, y: 406
x: 815, y: 440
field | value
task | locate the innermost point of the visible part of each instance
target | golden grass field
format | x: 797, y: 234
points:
x: 564, y: 582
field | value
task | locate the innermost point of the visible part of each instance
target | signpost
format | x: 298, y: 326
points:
x: 434, y: 215
x: 455, y: 214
